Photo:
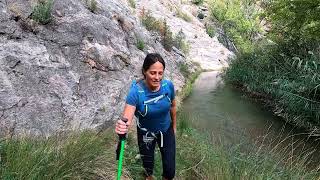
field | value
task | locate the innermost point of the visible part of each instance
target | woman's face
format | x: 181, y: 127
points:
x: 154, y: 75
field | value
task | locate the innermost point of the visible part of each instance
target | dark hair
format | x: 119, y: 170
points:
x: 150, y: 59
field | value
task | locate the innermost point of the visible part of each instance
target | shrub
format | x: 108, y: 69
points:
x: 285, y: 71
x: 183, y: 16
x: 140, y: 44
x: 93, y: 6
x: 183, y: 67
x: 197, y: 2
x: 42, y: 11
x: 151, y: 23
x: 240, y: 20
x: 180, y: 42
x: 167, y: 39
x: 161, y: 27
x: 210, y: 31
x: 132, y: 3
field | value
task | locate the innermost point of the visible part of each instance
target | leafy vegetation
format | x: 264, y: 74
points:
x: 210, y: 31
x: 197, y: 2
x: 75, y: 156
x: 132, y: 3
x: 183, y: 15
x: 92, y: 5
x: 42, y: 11
x: 282, y: 69
x: 240, y: 19
x: 88, y: 155
x: 167, y: 38
x: 181, y: 43
x: 140, y: 44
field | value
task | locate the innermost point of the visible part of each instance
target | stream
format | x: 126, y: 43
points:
x: 231, y: 119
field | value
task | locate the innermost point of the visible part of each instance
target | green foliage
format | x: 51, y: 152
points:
x: 197, y: 2
x: 140, y: 44
x: 295, y: 24
x: 151, y: 23
x: 161, y: 27
x: 167, y: 39
x: 290, y: 82
x: 240, y: 19
x: 183, y: 15
x: 183, y: 67
x: 198, y: 158
x: 74, y: 156
x: 132, y: 3
x: 42, y: 11
x: 285, y: 71
x: 93, y: 6
x: 181, y: 43
x: 191, y: 77
x: 90, y: 156
x: 210, y: 31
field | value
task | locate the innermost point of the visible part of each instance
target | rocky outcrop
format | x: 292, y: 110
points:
x: 72, y: 73
x: 208, y: 52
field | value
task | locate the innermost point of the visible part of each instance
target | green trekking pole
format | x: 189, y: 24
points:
x: 120, y: 150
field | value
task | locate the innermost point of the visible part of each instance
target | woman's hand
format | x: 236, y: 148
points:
x: 121, y: 127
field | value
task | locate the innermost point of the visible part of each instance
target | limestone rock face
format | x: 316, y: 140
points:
x: 74, y: 72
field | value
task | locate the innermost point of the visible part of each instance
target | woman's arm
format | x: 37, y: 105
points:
x: 173, y: 113
x: 128, y: 112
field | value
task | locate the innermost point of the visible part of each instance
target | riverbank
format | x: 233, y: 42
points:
x: 278, y: 55
x: 87, y: 155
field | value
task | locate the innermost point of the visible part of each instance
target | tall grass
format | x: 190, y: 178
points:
x: 191, y: 77
x: 82, y: 155
x: 283, y: 70
x: 87, y: 155
x: 287, y: 83
x: 198, y: 157
x: 183, y: 15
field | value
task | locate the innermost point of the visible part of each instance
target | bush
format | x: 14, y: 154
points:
x: 197, y: 2
x: 183, y: 15
x: 180, y: 42
x: 285, y: 73
x: 140, y: 44
x: 132, y: 3
x: 161, y: 27
x: 93, y: 6
x: 295, y: 24
x: 240, y: 20
x: 151, y: 23
x: 210, y: 31
x: 167, y: 39
x: 42, y: 11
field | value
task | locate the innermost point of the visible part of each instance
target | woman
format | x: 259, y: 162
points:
x: 152, y: 101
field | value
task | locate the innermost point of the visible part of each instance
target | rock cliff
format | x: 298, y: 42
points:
x: 73, y: 72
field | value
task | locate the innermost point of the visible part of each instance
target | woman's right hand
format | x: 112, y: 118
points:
x: 121, y: 127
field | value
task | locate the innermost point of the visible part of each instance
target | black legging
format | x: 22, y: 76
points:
x: 168, y: 152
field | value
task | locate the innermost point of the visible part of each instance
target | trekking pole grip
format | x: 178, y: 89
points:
x: 123, y: 136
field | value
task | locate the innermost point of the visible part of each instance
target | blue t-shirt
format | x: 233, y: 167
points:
x: 152, y: 108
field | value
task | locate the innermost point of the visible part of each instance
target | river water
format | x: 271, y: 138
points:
x: 231, y: 118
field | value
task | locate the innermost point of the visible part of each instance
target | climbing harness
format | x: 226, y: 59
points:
x: 150, y: 136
